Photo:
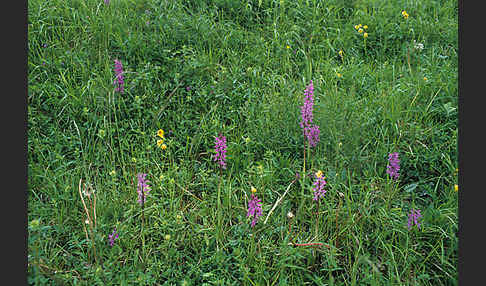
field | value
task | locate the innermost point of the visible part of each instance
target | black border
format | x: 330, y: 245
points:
x: 467, y: 272
x: 15, y: 210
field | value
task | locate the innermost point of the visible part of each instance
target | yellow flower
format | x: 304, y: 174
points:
x: 359, y: 25
x: 253, y: 190
x: 159, y: 142
x: 160, y: 133
x: 34, y: 223
x: 167, y: 237
x: 365, y: 35
x: 456, y: 187
x: 405, y: 14
x: 341, y: 53
x: 365, y: 27
x: 319, y: 174
x: 360, y: 30
x: 425, y: 78
x: 288, y: 47
x: 339, y: 75
x: 356, y: 27
x: 163, y: 146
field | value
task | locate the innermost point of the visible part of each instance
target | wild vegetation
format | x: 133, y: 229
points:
x: 265, y: 142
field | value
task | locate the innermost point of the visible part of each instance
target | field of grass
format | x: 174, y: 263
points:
x: 204, y: 68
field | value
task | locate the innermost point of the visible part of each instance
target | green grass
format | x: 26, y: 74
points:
x: 246, y: 84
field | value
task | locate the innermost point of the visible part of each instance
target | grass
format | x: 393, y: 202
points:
x: 239, y: 68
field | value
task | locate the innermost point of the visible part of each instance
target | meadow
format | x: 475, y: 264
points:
x: 264, y: 142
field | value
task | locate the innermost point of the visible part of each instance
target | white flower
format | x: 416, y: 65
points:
x: 290, y: 215
x: 418, y: 46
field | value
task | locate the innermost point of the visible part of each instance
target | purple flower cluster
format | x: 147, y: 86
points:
x: 312, y: 134
x: 143, y: 188
x: 413, y: 218
x: 318, y: 189
x: 393, y: 166
x: 119, y: 82
x: 112, y: 237
x: 220, y: 146
x: 254, y: 209
x: 311, y: 131
x: 308, y: 106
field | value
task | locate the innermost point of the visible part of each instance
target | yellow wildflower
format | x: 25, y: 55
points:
x: 319, y: 174
x: 405, y: 14
x: 365, y: 35
x: 456, y: 187
x: 425, y: 78
x: 339, y: 75
x: 365, y: 27
x: 341, y: 53
x: 356, y: 27
x: 34, y: 223
x: 253, y: 190
x: 288, y: 47
x: 360, y: 30
x: 160, y: 133
x: 159, y: 142
x: 163, y: 146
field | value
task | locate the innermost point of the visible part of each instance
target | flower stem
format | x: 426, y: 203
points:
x: 302, y: 186
x: 337, y: 215
x: 218, y: 239
x: 317, y: 217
